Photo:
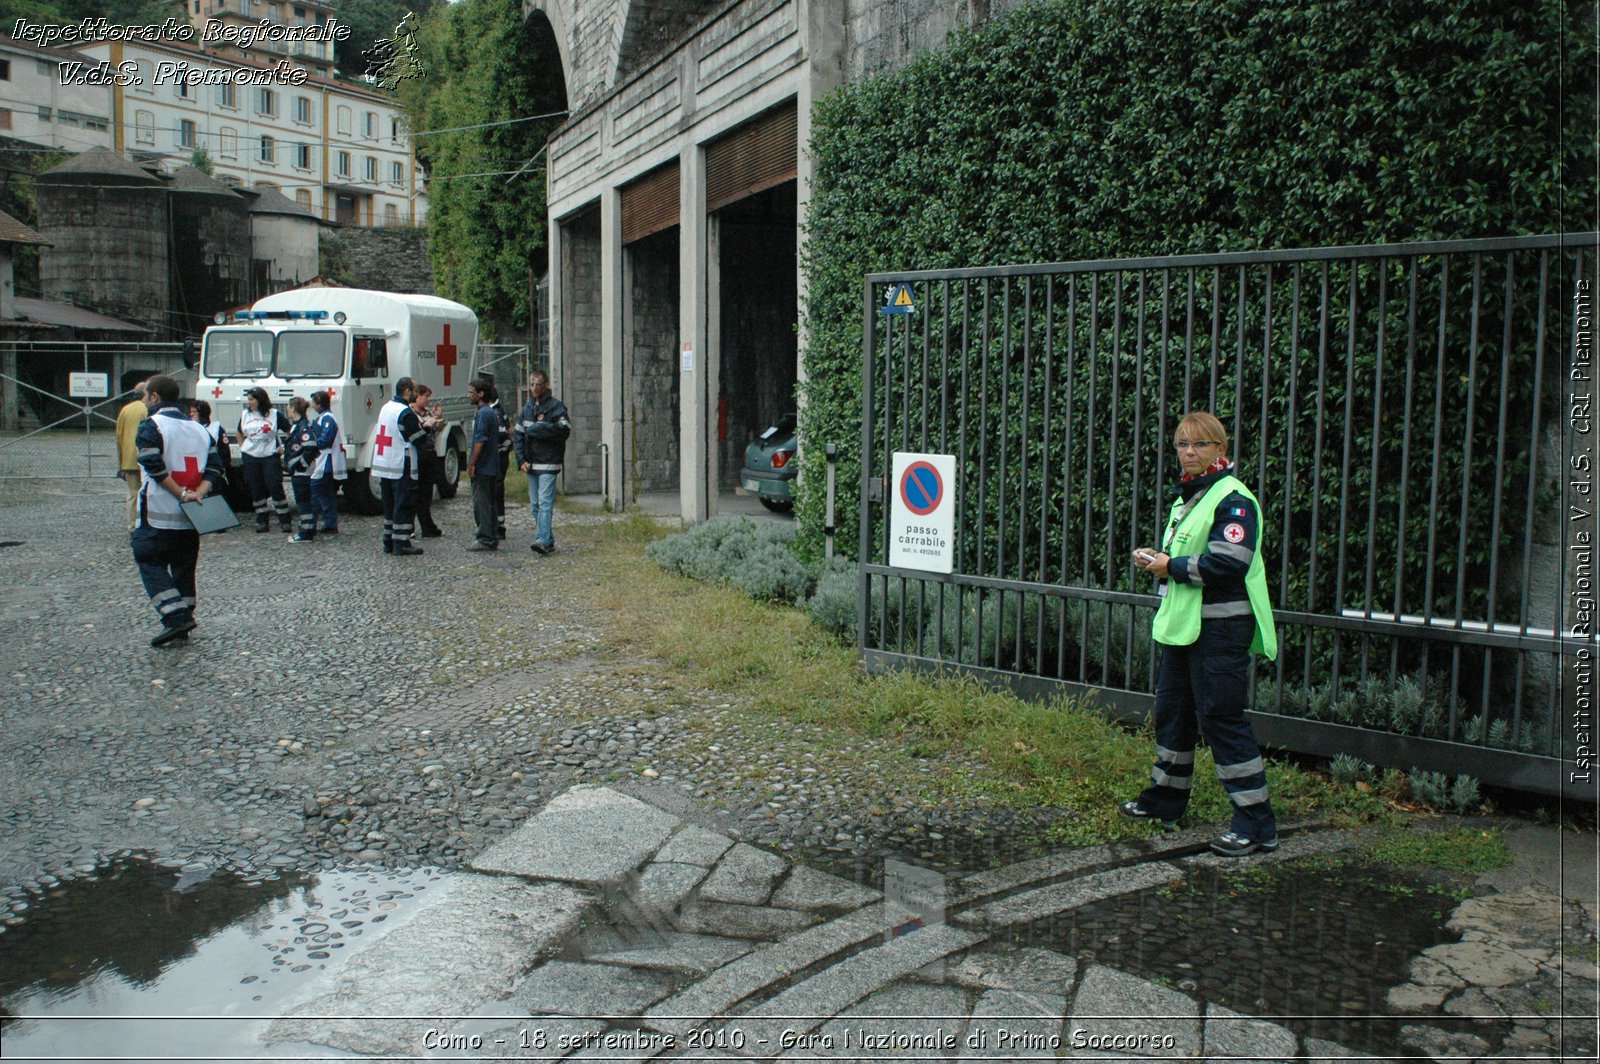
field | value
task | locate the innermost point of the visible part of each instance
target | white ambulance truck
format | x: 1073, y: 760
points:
x: 353, y: 344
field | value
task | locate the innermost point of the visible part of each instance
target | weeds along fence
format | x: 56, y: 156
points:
x: 1407, y: 415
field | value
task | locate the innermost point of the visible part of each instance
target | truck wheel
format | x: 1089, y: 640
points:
x: 362, y: 492
x: 450, y: 473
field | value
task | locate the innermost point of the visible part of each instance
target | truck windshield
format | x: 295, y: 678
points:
x: 310, y: 354
x: 238, y: 353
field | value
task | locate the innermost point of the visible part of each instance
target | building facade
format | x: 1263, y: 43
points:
x: 677, y: 199
x: 341, y: 151
x: 36, y: 108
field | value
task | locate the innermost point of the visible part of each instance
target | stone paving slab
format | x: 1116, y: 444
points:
x: 806, y: 1005
x: 1245, y: 1040
x: 756, y: 971
x: 1012, y: 1023
x: 744, y: 876
x: 981, y: 885
x: 902, y: 1021
x: 694, y: 954
x: 570, y: 988
x: 814, y: 891
x: 1040, y: 971
x: 664, y: 886
x: 1059, y: 897
x: 695, y: 845
x: 1128, y: 1016
x: 743, y: 921
x: 416, y: 970
x: 587, y: 835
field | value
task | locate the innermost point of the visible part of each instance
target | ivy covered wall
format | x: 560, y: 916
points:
x: 1086, y: 129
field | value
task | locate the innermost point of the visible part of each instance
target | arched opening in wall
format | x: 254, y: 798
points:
x: 650, y: 317
x: 757, y: 313
x: 751, y: 194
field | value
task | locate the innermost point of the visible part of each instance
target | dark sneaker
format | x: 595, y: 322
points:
x: 388, y: 547
x: 330, y: 532
x: 1134, y: 811
x: 432, y: 533
x: 301, y: 539
x: 169, y: 632
x: 539, y: 548
x: 404, y: 547
x: 263, y: 527
x: 483, y: 546
x: 1234, y: 844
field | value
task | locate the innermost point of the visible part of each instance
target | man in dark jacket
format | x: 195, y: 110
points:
x: 541, y: 439
x: 484, y: 465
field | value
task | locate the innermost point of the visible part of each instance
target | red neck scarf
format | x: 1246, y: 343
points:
x: 1215, y: 467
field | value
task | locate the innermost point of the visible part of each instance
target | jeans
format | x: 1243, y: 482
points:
x: 483, y: 508
x: 542, y: 501
x: 1204, y: 689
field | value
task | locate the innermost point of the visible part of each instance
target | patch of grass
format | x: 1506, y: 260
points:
x: 1464, y: 850
x: 783, y: 670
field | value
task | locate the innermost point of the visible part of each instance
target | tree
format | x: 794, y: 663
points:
x: 200, y: 159
x: 487, y: 78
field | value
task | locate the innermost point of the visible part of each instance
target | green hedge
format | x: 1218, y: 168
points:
x: 1098, y: 128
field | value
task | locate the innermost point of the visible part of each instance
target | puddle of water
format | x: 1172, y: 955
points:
x: 215, y: 958
x: 1314, y: 946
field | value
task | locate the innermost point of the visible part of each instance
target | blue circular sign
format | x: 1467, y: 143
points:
x: 921, y: 488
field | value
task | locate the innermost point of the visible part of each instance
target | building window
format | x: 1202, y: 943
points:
x: 302, y: 110
x: 344, y: 164
x: 226, y: 97
x: 394, y: 131
x: 391, y: 214
x: 144, y: 72
x: 302, y: 156
x: 267, y: 104
x: 5, y: 118
x: 91, y: 122
x: 369, y: 125
x: 182, y: 89
x: 269, y: 150
x: 5, y: 70
x: 185, y: 133
x: 302, y: 196
x: 397, y: 174
x: 44, y: 113
x: 342, y: 116
x: 230, y: 142
x: 371, y: 171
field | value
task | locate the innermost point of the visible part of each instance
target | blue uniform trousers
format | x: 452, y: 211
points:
x: 1203, y: 689
x: 325, y: 502
x: 167, y: 558
x: 399, y: 509
x: 302, y: 502
x: 264, y: 476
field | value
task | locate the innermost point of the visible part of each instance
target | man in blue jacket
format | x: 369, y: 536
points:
x: 541, y: 438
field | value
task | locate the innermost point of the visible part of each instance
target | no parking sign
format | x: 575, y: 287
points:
x: 922, y: 512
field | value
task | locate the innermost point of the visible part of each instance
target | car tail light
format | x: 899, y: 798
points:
x: 781, y: 458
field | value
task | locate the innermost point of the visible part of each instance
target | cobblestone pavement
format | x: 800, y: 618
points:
x: 339, y: 707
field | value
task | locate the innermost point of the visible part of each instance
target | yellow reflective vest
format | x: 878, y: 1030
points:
x: 1177, y: 622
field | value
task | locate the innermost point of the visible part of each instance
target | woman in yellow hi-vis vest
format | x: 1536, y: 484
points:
x: 1214, y: 615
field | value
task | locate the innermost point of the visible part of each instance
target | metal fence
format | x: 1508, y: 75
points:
x: 1412, y: 418
x: 42, y: 425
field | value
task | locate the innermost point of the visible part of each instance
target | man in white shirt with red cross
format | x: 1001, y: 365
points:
x: 394, y: 463
x: 178, y: 463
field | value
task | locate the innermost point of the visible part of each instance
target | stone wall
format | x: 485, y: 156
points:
x: 885, y: 35
x: 650, y: 361
x: 575, y: 369
x: 117, y: 266
x: 387, y: 260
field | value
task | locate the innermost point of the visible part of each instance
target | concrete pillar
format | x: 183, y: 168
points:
x: 612, y: 294
x: 696, y: 402
x: 558, y: 362
x: 713, y: 359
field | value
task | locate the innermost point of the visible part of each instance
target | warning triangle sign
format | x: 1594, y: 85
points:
x: 902, y: 296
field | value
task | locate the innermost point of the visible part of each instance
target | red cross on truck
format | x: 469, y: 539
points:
x: 356, y: 345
